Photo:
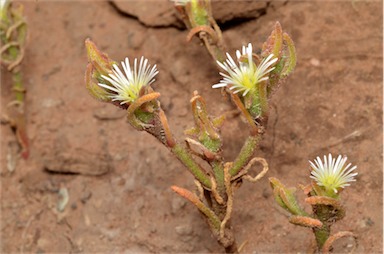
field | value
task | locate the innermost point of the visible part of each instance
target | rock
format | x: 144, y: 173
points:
x: 165, y: 15
x: 314, y: 62
x: 51, y: 103
x: 154, y: 14
x: 177, y: 204
x: 365, y: 222
x: 184, y: 229
x: 224, y: 11
x: 85, y: 196
x: 78, y: 161
x: 66, y: 157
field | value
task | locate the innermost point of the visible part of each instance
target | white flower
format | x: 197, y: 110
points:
x: 126, y: 88
x: 332, y: 174
x: 247, y: 75
x: 2, y: 4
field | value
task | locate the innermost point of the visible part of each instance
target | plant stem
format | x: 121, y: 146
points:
x: 232, y: 248
x: 213, y: 219
x: 218, y: 208
x: 182, y: 154
x: 218, y: 171
x: 245, y: 154
x: 324, y: 213
x: 18, y: 86
x: 215, y: 51
x: 322, y: 235
x: 263, y: 101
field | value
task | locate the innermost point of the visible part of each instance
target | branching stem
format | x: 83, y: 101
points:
x: 199, y: 173
x: 245, y: 154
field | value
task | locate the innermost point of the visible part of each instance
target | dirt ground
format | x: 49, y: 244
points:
x: 118, y: 179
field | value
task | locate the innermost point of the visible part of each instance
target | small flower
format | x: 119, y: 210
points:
x: 332, y: 174
x: 126, y: 88
x: 3, y: 9
x: 247, y: 75
x: 3, y: 3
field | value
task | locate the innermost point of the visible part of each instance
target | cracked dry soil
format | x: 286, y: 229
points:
x: 118, y: 180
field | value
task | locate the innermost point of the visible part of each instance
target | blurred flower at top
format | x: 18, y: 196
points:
x: 245, y: 76
x: 332, y: 174
x: 2, y: 4
x: 3, y: 9
x: 125, y: 87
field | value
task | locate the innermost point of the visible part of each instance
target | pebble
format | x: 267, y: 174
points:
x: 85, y: 196
x: 177, y: 203
x: 50, y: 103
x: 315, y: 62
x: 184, y: 229
x: 365, y: 222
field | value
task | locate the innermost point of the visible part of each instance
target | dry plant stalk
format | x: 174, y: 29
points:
x: 13, y: 33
